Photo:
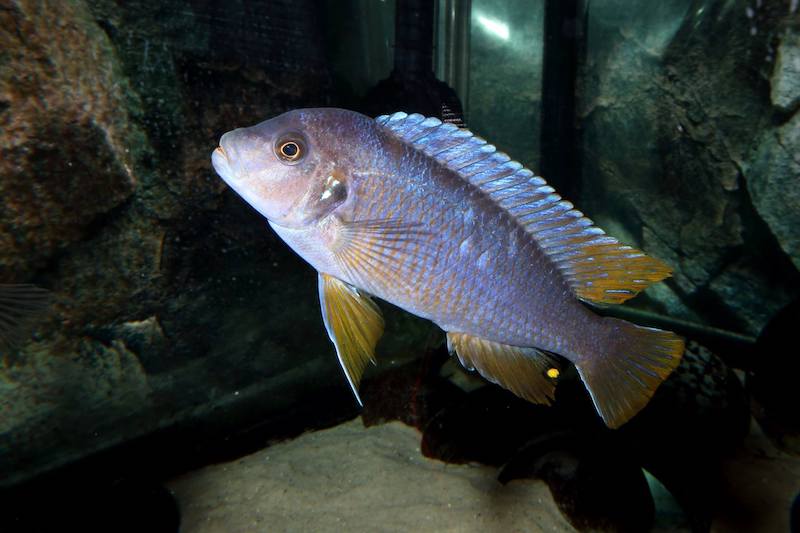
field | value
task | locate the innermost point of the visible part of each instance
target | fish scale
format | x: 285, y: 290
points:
x: 511, y: 324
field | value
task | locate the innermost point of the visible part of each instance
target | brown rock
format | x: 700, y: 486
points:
x: 63, y: 130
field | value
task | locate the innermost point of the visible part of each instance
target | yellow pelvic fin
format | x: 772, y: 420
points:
x: 354, y: 325
x: 527, y: 372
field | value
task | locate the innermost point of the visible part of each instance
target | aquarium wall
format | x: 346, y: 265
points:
x: 505, y: 75
x: 175, y: 308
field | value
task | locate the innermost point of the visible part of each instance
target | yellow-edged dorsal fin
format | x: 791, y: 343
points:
x: 597, y: 267
x: 527, y: 372
x: 354, y: 325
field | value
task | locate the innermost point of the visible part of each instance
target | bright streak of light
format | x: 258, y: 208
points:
x: 494, y: 26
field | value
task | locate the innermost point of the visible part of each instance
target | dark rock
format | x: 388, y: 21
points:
x: 698, y: 416
x: 594, y: 484
x: 412, y: 393
x: 773, y: 180
x: 773, y: 380
x: 674, y: 103
x: 785, y: 81
x: 128, y: 505
x: 488, y: 425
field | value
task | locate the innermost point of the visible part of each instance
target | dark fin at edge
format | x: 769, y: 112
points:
x: 20, y: 305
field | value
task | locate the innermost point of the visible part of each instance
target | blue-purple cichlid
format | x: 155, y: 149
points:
x: 436, y: 221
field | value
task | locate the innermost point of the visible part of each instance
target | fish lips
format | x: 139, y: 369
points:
x: 225, y: 168
x: 221, y: 164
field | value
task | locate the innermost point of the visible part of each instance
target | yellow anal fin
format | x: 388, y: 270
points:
x: 627, y: 368
x: 527, y: 372
x: 354, y: 324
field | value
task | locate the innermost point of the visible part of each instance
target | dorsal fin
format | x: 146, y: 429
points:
x: 597, y: 266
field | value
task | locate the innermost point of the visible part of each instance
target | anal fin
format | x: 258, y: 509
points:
x: 354, y: 324
x: 527, y: 372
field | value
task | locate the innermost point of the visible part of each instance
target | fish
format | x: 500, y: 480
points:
x: 20, y: 305
x: 435, y: 220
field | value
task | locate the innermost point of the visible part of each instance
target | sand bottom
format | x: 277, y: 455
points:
x: 356, y: 478
x: 352, y: 478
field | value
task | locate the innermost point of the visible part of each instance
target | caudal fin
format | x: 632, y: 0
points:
x: 627, y: 368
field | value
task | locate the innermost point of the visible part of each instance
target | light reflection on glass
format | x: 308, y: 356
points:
x: 493, y: 26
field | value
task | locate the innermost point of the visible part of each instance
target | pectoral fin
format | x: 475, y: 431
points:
x: 527, y: 372
x: 354, y: 325
x: 379, y: 249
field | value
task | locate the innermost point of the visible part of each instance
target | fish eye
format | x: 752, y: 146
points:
x: 290, y: 150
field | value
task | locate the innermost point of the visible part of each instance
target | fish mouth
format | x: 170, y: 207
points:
x: 236, y: 179
x: 221, y: 163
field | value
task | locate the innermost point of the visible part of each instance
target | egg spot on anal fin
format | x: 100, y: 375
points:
x: 525, y: 371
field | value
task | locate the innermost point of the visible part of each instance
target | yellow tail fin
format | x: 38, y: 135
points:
x: 628, y: 368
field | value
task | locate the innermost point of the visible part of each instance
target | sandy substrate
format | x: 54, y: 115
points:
x: 352, y: 478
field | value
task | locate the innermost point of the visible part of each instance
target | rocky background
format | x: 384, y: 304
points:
x: 691, y: 135
x: 173, y: 301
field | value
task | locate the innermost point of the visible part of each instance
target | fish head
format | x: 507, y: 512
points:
x: 290, y: 168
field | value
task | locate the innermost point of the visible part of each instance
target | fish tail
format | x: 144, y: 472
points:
x: 20, y: 304
x: 628, y: 364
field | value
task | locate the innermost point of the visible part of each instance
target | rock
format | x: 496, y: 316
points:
x: 670, y: 120
x: 73, y: 397
x: 773, y: 180
x: 772, y: 381
x: 595, y: 487
x: 108, y: 113
x: 64, y: 131
x: 785, y: 81
x: 143, y: 337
